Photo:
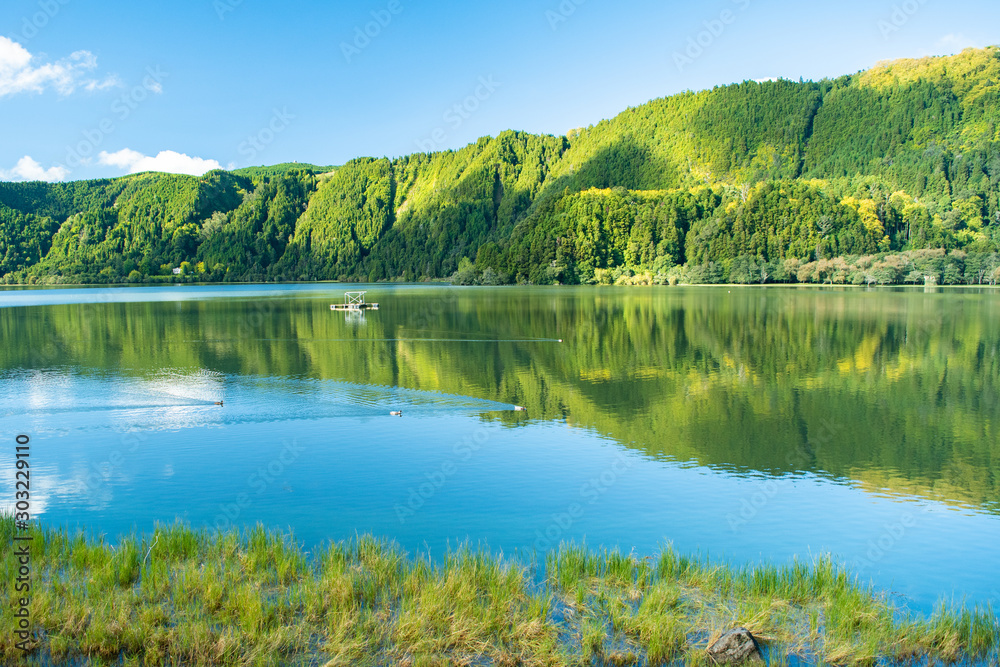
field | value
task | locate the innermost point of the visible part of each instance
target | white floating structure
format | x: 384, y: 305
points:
x: 354, y: 301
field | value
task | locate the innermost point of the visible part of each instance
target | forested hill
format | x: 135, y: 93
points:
x: 891, y: 175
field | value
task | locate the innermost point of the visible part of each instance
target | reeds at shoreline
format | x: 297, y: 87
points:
x: 182, y: 596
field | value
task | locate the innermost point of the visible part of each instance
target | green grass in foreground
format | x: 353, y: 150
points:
x: 186, y: 597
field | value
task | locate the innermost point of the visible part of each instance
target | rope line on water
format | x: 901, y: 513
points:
x: 381, y: 340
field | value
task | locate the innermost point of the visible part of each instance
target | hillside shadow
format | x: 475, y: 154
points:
x: 628, y: 165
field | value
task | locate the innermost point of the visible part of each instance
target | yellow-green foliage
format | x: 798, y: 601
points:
x: 902, y: 157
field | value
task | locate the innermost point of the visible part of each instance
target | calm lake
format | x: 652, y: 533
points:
x: 745, y: 424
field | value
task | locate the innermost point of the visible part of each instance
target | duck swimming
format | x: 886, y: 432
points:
x: 396, y: 413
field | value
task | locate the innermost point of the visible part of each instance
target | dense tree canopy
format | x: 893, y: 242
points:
x: 890, y: 176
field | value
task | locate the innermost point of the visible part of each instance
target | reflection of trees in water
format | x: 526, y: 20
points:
x: 896, y: 390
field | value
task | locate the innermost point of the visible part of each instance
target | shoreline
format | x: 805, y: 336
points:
x: 253, y: 596
x: 446, y: 283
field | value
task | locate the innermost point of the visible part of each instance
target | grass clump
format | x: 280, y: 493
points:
x: 181, y: 596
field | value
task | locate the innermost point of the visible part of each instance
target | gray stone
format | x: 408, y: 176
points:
x: 737, y: 645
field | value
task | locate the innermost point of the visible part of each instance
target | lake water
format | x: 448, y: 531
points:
x: 744, y: 424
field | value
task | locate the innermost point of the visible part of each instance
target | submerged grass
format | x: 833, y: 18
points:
x: 181, y: 596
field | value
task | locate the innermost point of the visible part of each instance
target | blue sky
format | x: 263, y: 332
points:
x: 93, y: 89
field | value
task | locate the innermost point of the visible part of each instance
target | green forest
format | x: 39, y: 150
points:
x: 887, y: 176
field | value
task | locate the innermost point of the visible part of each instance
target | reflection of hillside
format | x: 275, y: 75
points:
x: 891, y: 483
x: 897, y: 391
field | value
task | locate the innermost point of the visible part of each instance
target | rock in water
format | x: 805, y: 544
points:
x: 737, y: 645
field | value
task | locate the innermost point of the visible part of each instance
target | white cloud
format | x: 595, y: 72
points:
x: 27, y: 169
x: 954, y: 43
x: 111, y: 81
x: 19, y: 75
x: 123, y: 159
x: 170, y: 162
x: 767, y: 79
x: 13, y: 56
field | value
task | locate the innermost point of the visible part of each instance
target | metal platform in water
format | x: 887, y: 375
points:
x: 354, y: 301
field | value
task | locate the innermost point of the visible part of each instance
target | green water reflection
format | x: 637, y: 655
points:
x: 896, y: 390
